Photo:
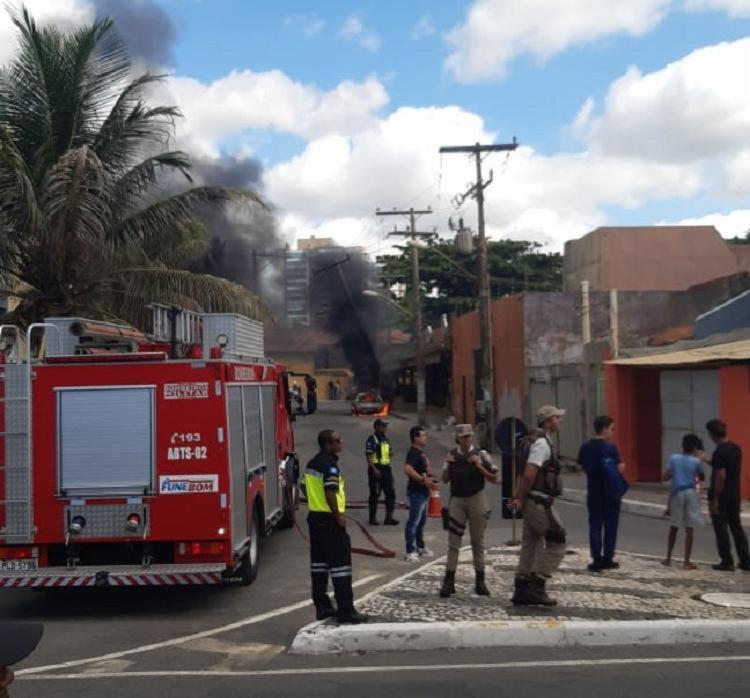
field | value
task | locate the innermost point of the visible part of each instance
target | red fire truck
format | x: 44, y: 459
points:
x: 133, y: 460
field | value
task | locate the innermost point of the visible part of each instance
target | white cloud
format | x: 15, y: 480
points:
x: 310, y: 25
x: 425, y: 26
x: 495, y: 32
x: 697, y: 107
x: 734, y: 8
x: 354, y: 30
x: 245, y: 100
x: 733, y: 224
x: 549, y: 199
x: 63, y: 13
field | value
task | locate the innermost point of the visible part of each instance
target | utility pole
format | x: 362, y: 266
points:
x: 416, y: 298
x: 485, y: 319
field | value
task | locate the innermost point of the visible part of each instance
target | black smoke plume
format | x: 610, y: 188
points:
x: 148, y: 31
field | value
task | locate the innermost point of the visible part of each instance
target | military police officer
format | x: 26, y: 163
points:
x: 330, y: 546
x: 379, y: 473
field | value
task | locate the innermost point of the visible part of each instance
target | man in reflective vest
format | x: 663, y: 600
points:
x: 330, y: 546
x: 379, y: 473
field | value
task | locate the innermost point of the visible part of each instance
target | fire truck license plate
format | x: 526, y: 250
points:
x: 18, y: 565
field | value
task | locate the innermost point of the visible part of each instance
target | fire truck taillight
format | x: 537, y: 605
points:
x: 18, y: 553
x: 133, y: 523
x: 77, y: 525
x: 202, y: 548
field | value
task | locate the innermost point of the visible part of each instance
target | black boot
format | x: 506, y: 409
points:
x: 353, y: 617
x: 521, y: 596
x: 325, y: 612
x: 479, y: 586
x: 449, y: 585
x: 539, y: 592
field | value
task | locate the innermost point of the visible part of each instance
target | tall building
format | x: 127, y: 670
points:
x: 322, y: 280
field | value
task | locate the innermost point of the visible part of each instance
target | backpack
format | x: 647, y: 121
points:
x: 548, y: 480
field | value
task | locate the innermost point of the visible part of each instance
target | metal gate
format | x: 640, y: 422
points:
x: 688, y: 400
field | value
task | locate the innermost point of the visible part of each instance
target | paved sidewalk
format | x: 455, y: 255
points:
x: 629, y: 603
x: 643, y: 498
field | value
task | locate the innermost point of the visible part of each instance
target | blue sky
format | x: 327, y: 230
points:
x: 628, y: 111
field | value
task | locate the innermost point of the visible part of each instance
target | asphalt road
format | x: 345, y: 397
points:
x: 126, y: 641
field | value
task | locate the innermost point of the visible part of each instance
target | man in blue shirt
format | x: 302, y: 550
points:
x: 604, y: 469
x: 683, y: 470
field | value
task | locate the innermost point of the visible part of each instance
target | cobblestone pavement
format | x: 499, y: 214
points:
x: 641, y: 589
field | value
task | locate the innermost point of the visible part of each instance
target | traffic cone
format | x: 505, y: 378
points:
x: 435, y: 506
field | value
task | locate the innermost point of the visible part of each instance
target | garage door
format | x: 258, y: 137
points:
x: 688, y: 400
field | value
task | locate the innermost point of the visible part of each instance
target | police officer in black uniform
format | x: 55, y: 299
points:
x: 330, y: 546
x: 379, y: 473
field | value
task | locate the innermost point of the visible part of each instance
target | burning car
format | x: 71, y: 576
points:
x: 369, y: 404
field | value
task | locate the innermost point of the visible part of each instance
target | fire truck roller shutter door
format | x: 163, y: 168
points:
x: 106, y: 440
x: 240, y: 523
x: 268, y: 414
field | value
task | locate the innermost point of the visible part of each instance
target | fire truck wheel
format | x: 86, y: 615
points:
x: 290, y: 507
x: 248, y: 570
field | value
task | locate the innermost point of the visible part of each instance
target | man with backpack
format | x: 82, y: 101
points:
x: 606, y: 486
x: 543, y: 540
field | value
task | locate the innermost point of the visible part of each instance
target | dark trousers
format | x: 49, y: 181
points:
x: 604, y: 517
x: 330, y: 554
x: 728, y: 519
x: 383, y: 484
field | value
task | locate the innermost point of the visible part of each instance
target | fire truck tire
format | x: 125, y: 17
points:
x: 290, y: 507
x: 248, y: 570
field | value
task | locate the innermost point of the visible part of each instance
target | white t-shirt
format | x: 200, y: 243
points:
x: 540, y: 452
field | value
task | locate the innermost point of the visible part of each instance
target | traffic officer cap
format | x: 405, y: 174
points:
x: 18, y: 640
x: 379, y: 423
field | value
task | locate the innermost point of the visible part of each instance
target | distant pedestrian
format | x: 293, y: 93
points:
x: 420, y: 479
x: 467, y: 468
x: 724, y: 498
x: 331, y: 390
x: 606, y: 486
x: 543, y: 539
x: 311, y: 386
x: 683, y: 471
x: 379, y: 473
x: 338, y: 390
x: 330, y: 546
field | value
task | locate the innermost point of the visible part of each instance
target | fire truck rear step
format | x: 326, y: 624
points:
x: 116, y: 576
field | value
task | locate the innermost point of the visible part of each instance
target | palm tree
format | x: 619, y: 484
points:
x: 90, y: 223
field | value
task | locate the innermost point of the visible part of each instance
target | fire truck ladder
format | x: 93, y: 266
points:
x: 16, y: 486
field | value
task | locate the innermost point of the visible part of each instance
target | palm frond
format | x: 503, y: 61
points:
x: 145, y: 285
x: 144, y: 177
x: 20, y: 214
x: 77, y: 207
x: 178, y: 211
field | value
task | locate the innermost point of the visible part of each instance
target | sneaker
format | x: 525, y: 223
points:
x: 411, y: 557
x: 424, y: 552
x: 723, y: 567
x: 745, y: 566
x: 595, y: 567
x: 611, y: 565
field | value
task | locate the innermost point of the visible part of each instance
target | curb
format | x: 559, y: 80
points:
x: 636, y: 506
x: 318, y: 638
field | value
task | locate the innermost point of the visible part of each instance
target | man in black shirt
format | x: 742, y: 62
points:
x: 724, y: 498
x: 417, y: 469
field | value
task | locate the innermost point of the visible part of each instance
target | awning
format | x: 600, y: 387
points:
x: 732, y: 351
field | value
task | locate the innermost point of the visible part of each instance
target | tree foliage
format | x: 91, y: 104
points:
x: 448, y: 278
x: 90, y: 223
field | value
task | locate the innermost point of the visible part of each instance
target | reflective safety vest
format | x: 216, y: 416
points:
x: 316, y: 498
x: 384, y: 449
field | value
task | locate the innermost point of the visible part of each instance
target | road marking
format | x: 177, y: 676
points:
x: 187, y: 638
x: 260, y: 673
